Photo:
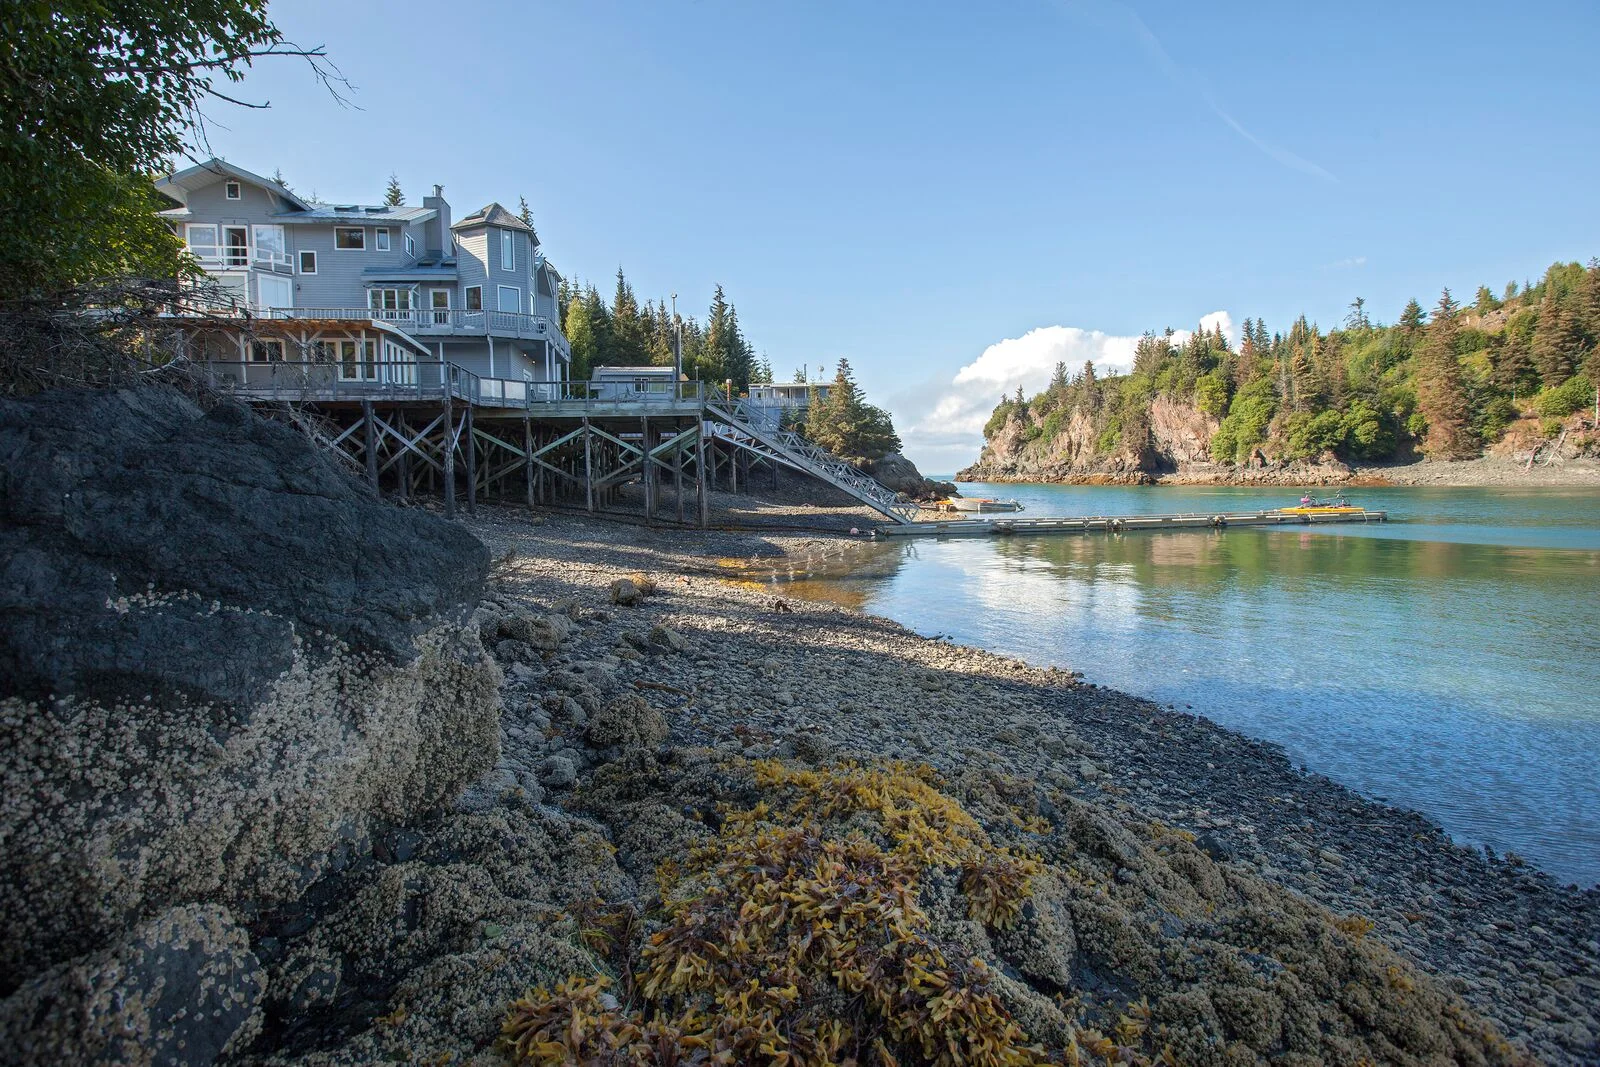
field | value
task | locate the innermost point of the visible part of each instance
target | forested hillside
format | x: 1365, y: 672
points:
x: 625, y: 333
x: 1446, y: 383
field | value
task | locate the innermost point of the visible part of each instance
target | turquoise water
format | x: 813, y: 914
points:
x: 1447, y: 661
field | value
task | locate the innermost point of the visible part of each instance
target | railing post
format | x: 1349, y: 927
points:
x: 527, y: 449
x: 702, y: 504
x: 649, y: 486
x: 449, y: 461
x: 372, y: 444
x: 588, y: 466
x: 472, y: 464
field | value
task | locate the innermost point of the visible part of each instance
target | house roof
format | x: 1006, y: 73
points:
x: 180, y: 184
x: 358, y: 214
x: 495, y: 215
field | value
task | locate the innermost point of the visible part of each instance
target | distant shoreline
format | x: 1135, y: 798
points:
x: 1484, y: 472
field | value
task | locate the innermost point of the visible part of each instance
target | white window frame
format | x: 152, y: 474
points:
x: 215, y: 244
x: 502, y: 288
x: 357, y: 360
x: 467, y: 297
x: 256, y: 229
x: 411, y: 246
x: 380, y: 238
x: 384, y: 301
x: 434, y: 308
x: 232, y: 191
x: 227, y: 251
x: 262, y: 343
x: 362, y: 230
x: 508, y: 251
x: 301, y: 260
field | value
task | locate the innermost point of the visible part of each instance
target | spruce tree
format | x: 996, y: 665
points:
x: 1557, y: 341
x: 627, y: 338
x: 1412, y: 318
x: 525, y: 213
x: 1441, y: 388
x: 1059, y: 379
x: 393, y: 196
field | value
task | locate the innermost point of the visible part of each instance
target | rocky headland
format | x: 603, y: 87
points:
x: 295, y: 776
x: 1175, y: 450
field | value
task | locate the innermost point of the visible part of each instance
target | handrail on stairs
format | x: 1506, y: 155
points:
x: 812, y: 459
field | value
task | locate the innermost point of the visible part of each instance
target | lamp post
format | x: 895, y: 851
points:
x: 677, y: 347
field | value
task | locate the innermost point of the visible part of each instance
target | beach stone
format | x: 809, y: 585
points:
x: 628, y: 721
x: 668, y: 638
x: 558, y: 772
x: 183, y: 988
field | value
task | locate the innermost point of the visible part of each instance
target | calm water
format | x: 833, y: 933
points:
x: 1448, y: 661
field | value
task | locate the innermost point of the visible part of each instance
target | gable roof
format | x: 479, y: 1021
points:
x: 180, y: 184
x: 495, y: 215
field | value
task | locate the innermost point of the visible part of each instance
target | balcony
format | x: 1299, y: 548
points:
x: 241, y: 257
x: 443, y: 322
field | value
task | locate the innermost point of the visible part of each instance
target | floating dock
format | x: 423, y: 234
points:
x: 1128, y: 523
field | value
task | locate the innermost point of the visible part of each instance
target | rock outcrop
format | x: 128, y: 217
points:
x: 900, y: 474
x: 1172, y: 445
x: 224, y: 668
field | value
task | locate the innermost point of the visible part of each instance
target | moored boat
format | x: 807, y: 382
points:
x: 980, y: 504
x: 1310, y: 505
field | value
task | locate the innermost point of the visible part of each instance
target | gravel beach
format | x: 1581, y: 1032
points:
x: 759, y: 673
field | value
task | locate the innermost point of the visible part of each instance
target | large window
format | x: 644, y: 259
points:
x: 510, y: 298
x: 271, y: 250
x: 358, y: 360
x: 508, y: 250
x: 350, y: 238
x: 389, y: 303
x: 202, y: 238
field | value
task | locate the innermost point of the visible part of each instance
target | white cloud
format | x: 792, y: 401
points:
x: 943, y: 426
x: 1348, y: 264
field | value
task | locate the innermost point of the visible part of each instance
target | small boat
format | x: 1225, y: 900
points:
x: 981, y: 504
x: 1310, y: 505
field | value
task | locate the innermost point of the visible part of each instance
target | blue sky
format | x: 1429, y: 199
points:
x: 953, y: 196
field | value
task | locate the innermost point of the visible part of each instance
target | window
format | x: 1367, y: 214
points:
x: 270, y: 351
x: 411, y: 246
x: 389, y: 300
x: 232, y: 191
x: 358, y: 360
x: 308, y: 263
x: 510, y: 298
x: 474, y: 298
x: 271, y: 251
x: 350, y: 238
x: 508, y: 250
x: 203, y: 240
x: 383, y: 238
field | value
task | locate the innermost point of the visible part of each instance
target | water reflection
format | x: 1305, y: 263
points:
x: 1448, y: 673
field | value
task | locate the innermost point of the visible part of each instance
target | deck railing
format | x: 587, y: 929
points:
x: 331, y: 381
x: 241, y: 257
x: 433, y: 322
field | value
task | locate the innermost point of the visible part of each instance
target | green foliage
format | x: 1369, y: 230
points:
x: 394, y: 196
x: 98, y: 97
x: 1245, y: 427
x: 845, y: 424
x: 1560, y: 401
x: 1368, y: 430
x: 1211, y: 393
x: 1311, y: 435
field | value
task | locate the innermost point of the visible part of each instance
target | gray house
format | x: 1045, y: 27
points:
x: 477, y: 294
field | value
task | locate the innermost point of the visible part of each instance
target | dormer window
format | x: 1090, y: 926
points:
x: 508, y: 250
x: 231, y: 190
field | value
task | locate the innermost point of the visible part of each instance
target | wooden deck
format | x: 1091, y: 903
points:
x: 1011, y: 527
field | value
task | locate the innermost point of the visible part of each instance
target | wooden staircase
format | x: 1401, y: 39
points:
x: 733, y: 421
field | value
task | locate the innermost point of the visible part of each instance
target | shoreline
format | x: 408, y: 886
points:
x: 1520, y: 948
x: 1484, y: 472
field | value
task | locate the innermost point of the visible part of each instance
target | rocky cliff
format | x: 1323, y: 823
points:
x: 224, y: 669
x: 1172, y: 444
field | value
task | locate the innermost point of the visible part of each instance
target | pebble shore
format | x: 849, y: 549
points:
x: 762, y: 673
